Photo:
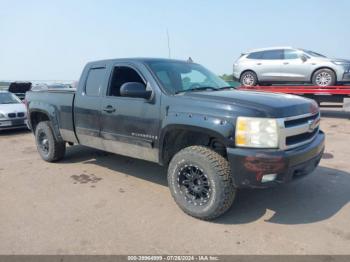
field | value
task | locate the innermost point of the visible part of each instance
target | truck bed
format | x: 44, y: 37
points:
x: 60, y: 103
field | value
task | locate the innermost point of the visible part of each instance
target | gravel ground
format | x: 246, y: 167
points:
x: 99, y: 203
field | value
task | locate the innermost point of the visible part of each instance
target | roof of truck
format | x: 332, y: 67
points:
x: 140, y: 59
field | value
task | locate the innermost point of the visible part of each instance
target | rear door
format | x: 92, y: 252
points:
x: 87, y: 107
x: 129, y: 125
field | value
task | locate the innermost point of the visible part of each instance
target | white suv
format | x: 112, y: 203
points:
x: 290, y: 65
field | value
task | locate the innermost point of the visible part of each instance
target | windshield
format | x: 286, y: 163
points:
x: 312, y: 53
x: 8, y: 98
x: 178, y: 77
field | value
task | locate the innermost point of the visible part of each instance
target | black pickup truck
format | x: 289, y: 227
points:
x: 214, y: 139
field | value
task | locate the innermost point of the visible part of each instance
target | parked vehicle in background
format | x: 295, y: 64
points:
x: 213, y: 138
x: 20, y: 88
x: 12, y: 111
x: 59, y: 85
x: 39, y: 86
x: 45, y: 86
x: 290, y: 65
x: 4, y: 85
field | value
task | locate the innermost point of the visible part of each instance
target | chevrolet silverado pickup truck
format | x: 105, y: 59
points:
x: 213, y: 139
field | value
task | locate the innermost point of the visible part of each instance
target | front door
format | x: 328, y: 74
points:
x: 129, y: 125
x: 293, y: 68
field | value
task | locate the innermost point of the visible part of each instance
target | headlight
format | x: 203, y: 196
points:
x: 2, y: 115
x: 256, y: 132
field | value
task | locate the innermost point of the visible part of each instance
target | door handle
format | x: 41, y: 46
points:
x: 258, y: 63
x: 286, y: 63
x: 109, y: 109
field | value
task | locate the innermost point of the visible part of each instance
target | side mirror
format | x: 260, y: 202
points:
x: 135, y: 89
x: 303, y: 58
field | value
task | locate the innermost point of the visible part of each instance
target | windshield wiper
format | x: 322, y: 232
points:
x: 197, y: 89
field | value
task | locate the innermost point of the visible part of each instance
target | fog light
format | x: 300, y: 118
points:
x: 268, y: 178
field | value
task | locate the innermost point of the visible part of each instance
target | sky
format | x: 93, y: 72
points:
x: 52, y: 40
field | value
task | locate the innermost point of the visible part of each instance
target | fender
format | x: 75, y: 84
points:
x: 218, y: 127
x: 50, y: 111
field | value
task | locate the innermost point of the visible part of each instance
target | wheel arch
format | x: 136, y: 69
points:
x: 175, y: 137
x: 39, y: 115
x: 248, y: 70
x: 323, y: 67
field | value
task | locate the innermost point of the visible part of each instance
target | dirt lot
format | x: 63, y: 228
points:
x: 99, y: 203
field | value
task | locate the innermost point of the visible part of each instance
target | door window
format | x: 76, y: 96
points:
x: 122, y: 75
x: 290, y: 54
x: 255, y: 55
x: 272, y: 55
x: 94, y: 81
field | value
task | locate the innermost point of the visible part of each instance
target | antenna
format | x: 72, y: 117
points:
x: 168, y: 38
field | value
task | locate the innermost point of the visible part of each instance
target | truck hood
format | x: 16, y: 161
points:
x: 265, y: 103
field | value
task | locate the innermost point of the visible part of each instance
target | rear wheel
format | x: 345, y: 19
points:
x: 249, y: 78
x: 49, y: 148
x: 324, y: 77
x: 200, y: 182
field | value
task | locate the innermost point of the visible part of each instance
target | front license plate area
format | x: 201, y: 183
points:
x: 5, y: 123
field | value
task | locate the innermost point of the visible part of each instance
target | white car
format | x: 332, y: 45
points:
x: 290, y: 65
x: 12, y: 112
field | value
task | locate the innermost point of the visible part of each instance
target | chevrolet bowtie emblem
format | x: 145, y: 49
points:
x: 313, y: 124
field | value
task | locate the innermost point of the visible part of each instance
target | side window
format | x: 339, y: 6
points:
x: 255, y: 55
x: 272, y: 54
x: 122, y: 75
x: 290, y: 54
x: 94, y: 81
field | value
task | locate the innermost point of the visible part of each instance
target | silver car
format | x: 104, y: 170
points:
x: 12, y: 111
x: 290, y: 65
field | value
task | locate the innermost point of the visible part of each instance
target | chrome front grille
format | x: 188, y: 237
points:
x: 298, y: 130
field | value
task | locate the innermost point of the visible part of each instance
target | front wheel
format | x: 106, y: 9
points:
x: 249, y: 78
x: 200, y: 182
x: 324, y: 77
x: 49, y: 148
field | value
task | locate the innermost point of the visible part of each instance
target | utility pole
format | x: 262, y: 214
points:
x: 168, y: 38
